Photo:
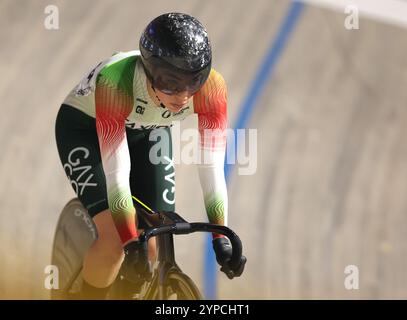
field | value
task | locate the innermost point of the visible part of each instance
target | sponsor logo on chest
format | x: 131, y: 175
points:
x: 145, y: 116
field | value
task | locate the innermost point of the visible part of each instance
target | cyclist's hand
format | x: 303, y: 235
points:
x: 237, y: 271
x: 223, y: 252
x: 136, y: 266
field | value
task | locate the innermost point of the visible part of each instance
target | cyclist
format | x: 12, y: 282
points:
x: 109, y: 122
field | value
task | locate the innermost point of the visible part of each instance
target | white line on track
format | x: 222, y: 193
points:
x: 388, y: 11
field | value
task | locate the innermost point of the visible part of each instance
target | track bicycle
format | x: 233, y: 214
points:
x: 76, y: 232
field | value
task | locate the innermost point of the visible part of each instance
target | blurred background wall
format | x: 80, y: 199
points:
x: 331, y: 180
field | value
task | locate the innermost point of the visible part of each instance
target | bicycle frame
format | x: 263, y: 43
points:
x: 165, y: 244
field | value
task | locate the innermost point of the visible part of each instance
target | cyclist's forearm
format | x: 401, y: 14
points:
x: 116, y: 166
x: 215, y: 193
x: 123, y: 212
x: 117, y: 170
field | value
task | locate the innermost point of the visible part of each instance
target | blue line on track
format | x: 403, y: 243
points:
x: 258, y: 84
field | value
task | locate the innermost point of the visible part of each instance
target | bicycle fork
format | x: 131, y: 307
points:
x: 166, y: 256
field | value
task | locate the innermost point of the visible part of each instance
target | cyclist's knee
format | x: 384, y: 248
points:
x: 111, y: 251
x: 108, y: 243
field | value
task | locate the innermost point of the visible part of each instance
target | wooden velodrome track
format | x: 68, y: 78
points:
x: 331, y: 181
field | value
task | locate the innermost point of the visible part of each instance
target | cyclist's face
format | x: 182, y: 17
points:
x: 174, y: 102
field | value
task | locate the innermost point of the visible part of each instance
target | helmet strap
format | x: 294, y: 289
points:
x: 152, y: 87
x: 161, y: 104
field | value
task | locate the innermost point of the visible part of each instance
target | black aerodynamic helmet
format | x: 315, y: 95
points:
x: 176, y: 53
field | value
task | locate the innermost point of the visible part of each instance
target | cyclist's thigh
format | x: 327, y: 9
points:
x: 78, y: 149
x: 152, y: 176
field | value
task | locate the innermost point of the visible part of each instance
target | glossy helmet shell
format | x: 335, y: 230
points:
x: 176, y: 44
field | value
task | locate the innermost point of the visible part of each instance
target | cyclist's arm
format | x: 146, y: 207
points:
x: 113, y: 103
x: 210, y: 104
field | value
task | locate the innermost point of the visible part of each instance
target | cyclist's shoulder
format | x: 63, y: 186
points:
x: 120, y: 66
x: 215, y: 80
x: 213, y: 94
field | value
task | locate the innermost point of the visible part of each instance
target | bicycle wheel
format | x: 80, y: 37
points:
x: 179, y: 286
x: 74, y: 234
